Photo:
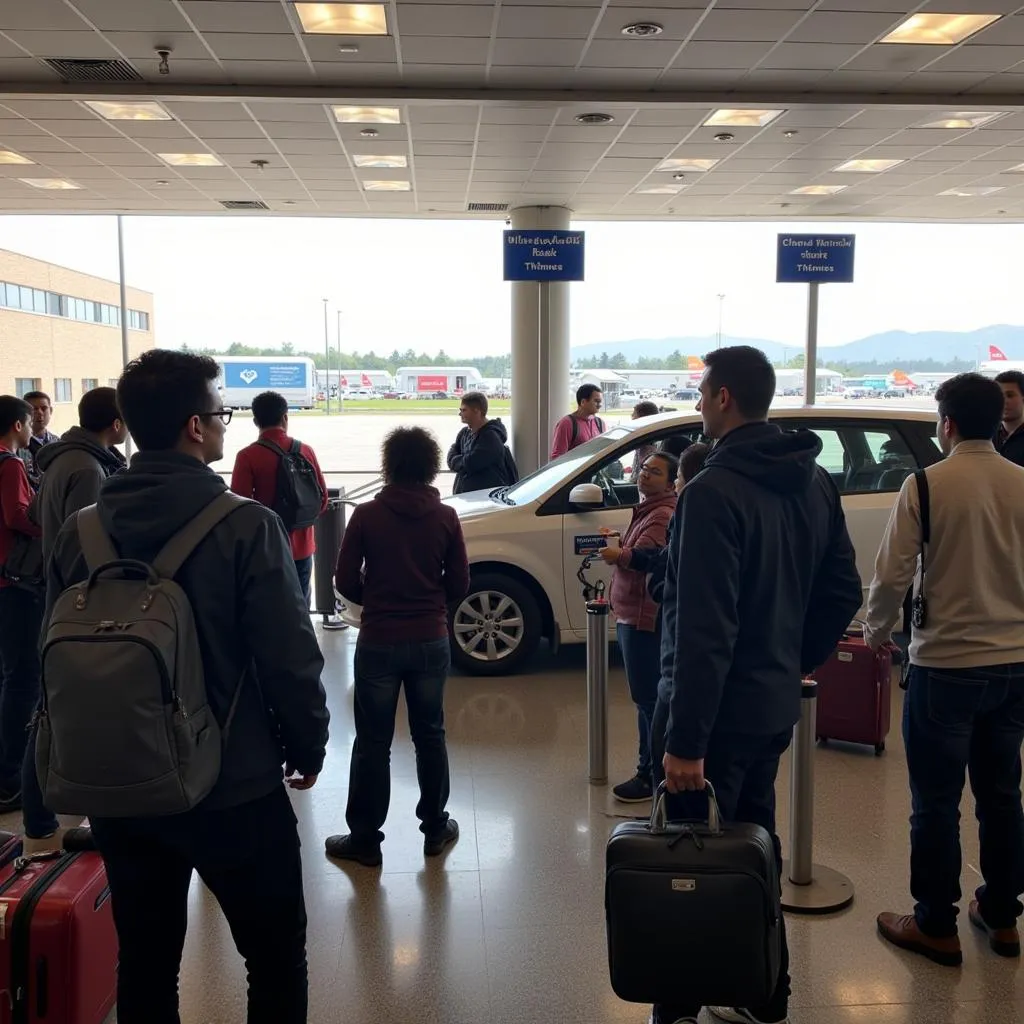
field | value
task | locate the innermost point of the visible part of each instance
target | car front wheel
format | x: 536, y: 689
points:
x: 496, y: 628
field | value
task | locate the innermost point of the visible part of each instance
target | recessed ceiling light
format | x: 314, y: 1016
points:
x: 742, y: 118
x: 368, y: 115
x: 387, y: 186
x: 868, y: 166
x: 594, y: 118
x: 939, y: 29
x: 365, y: 160
x: 190, y: 159
x: 8, y: 156
x: 817, y: 190
x: 966, y: 191
x: 643, y: 29
x: 341, y: 19
x: 659, y: 190
x: 964, y: 119
x: 687, y: 164
x: 52, y: 184
x: 113, y: 111
x: 724, y: 137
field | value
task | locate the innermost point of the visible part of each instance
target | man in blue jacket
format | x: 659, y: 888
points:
x: 760, y: 584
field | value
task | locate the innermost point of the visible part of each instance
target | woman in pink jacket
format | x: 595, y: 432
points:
x: 636, y: 614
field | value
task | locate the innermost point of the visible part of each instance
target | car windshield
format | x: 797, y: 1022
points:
x: 537, y: 484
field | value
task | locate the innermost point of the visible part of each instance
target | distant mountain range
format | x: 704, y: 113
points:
x: 890, y: 347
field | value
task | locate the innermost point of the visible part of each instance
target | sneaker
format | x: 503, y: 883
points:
x: 434, y: 846
x: 655, y: 1018
x: 78, y: 840
x: 904, y: 932
x: 345, y: 848
x: 1002, y: 941
x: 635, y: 791
x: 737, y: 1015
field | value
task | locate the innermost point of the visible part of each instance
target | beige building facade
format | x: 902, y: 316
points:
x: 60, y: 332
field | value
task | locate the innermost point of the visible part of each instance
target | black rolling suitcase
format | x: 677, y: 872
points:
x: 692, y: 910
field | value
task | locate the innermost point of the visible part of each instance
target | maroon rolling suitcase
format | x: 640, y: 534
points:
x: 58, y: 947
x: 855, y: 694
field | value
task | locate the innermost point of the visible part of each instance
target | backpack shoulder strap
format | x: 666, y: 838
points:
x: 924, y: 497
x: 575, y: 430
x: 174, y: 553
x: 271, y: 446
x: 97, y: 547
x: 296, y: 448
x: 600, y: 423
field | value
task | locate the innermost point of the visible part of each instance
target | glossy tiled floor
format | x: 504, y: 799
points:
x: 509, y: 928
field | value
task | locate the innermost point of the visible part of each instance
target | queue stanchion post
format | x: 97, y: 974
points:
x: 328, y: 531
x: 808, y: 888
x: 597, y: 673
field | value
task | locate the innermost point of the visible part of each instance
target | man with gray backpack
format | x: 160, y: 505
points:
x: 180, y: 673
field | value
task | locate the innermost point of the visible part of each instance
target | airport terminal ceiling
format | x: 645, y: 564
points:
x: 690, y: 109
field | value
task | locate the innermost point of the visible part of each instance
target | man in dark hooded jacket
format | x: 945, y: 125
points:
x: 760, y: 584
x: 479, y: 457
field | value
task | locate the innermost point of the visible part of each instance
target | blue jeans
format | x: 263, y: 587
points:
x: 957, y: 720
x: 21, y: 618
x: 304, y: 567
x: 641, y: 653
x: 381, y: 672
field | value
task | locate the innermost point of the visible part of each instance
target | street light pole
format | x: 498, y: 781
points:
x: 327, y: 357
x: 341, y: 401
x: 721, y: 314
x: 124, y: 312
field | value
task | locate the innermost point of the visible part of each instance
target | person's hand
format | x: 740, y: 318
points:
x: 295, y: 780
x: 876, y: 641
x: 683, y: 776
x: 610, y: 554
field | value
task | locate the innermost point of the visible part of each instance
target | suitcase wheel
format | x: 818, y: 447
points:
x: 879, y: 749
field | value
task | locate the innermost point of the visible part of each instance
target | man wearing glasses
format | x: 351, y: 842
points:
x: 257, y: 642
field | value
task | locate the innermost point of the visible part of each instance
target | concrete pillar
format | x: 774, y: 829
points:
x: 540, y: 349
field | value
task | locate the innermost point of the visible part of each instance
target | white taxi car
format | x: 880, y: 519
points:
x: 526, y: 542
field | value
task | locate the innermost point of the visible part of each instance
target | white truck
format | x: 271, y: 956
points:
x: 242, y: 378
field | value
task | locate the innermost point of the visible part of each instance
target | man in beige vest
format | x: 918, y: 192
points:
x: 964, y: 706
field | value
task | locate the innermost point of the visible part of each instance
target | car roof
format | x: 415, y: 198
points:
x: 808, y: 412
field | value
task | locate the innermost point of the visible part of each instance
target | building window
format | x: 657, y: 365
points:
x: 88, y: 383
x: 23, y: 385
x: 36, y: 300
x: 137, y: 320
x: 113, y: 381
x: 62, y: 389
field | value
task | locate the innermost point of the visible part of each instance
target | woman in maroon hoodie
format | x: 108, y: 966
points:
x: 403, y: 558
x: 636, y: 613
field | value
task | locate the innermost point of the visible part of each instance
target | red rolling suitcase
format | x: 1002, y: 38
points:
x: 58, y: 947
x: 855, y: 694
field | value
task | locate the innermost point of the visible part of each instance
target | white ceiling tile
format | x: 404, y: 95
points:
x: 752, y: 26
x: 433, y: 50
x: 742, y: 55
x: 185, y: 45
x: 462, y: 21
x: 677, y: 25
x: 137, y: 16
x: 893, y: 57
x: 25, y: 69
x: 548, y: 22
x: 444, y: 75
x: 537, y: 52
x: 43, y: 43
x: 254, y: 46
x: 809, y: 55
x: 237, y: 16
x: 372, y: 50
x: 630, y: 53
x: 845, y: 26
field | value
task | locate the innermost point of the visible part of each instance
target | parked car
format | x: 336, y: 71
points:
x: 526, y: 542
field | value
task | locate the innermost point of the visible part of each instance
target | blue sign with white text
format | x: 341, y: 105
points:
x: 271, y: 376
x: 821, y: 259
x: 543, y: 255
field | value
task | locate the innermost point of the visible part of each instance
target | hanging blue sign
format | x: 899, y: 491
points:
x: 821, y: 259
x: 265, y: 375
x: 543, y: 255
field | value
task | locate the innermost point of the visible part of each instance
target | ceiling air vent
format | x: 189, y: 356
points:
x: 487, y: 207
x: 243, y: 204
x: 84, y: 70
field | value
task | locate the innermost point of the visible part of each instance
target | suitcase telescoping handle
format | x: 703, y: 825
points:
x: 659, y: 823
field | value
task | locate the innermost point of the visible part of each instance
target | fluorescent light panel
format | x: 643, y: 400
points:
x: 387, y: 186
x: 687, y: 164
x: 728, y: 118
x: 368, y: 115
x: 963, y: 119
x: 190, y: 159
x: 343, y: 19
x: 939, y: 29
x: 868, y: 166
x: 366, y: 160
x: 50, y: 184
x: 659, y: 190
x: 818, y: 190
x: 965, y: 191
x: 8, y: 156
x: 114, y: 111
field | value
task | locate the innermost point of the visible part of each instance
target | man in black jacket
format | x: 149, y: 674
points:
x: 254, y: 633
x: 479, y: 458
x: 1009, y: 438
x: 760, y: 584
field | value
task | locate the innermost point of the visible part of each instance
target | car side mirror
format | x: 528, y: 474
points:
x: 586, y: 496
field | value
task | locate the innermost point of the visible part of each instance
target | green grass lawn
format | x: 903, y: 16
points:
x: 409, y: 406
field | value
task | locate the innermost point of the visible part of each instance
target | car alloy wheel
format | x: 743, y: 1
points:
x: 488, y: 626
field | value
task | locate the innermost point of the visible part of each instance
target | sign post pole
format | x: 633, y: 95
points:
x: 124, y: 312
x: 811, y: 351
x: 327, y: 360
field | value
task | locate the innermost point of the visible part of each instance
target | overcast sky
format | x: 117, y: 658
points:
x: 433, y: 284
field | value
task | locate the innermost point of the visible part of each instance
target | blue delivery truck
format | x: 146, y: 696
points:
x: 242, y: 378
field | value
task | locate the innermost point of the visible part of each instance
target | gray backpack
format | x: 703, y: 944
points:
x: 125, y: 729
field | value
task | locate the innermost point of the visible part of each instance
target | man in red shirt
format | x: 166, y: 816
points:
x: 21, y: 609
x: 256, y: 474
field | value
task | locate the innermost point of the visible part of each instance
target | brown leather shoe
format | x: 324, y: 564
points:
x: 903, y: 931
x: 1003, y: 941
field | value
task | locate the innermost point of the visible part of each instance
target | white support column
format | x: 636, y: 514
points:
x: 540, y: 349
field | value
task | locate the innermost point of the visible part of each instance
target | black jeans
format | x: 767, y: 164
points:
x: 743, y: 769
x: 37, y: 821
x: 21, y: 618
x: 304, y: 567
x: 380, y: 674
x: 248, y: 856
x: 641, y: 653
x: 954, y: 720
